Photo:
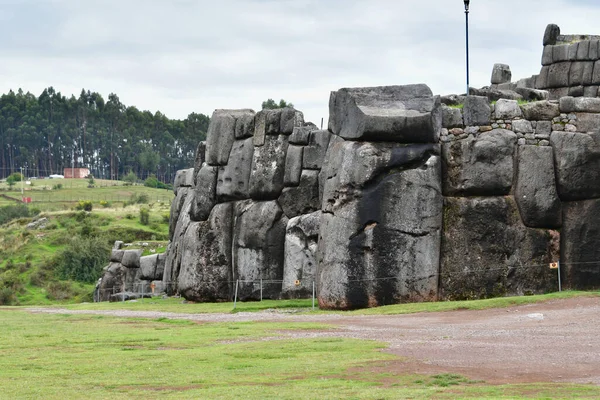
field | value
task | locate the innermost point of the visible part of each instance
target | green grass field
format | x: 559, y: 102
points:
x: 45, y: 196
x: 79, y: 356
x: 28, y: 256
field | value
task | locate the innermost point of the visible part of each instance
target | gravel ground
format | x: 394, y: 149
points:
x: 556, y: 341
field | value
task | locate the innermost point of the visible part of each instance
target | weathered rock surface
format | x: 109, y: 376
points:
x: 131, y: 258
x: 206, y: 268
x: 300, y: 264
x: 577, y: 162
x: 113, y: 279
x: 507, y: 109
x: 481, y: 166
x: 501, y: 74
x: 540, y: 111
x: 476, y: 111
x: 258, y: 247
x: 487, y: 251
x: 314, y: 152
x: 148, y: 267
x: 183, y: 178
x: 268, y: 168
x: 304, y: 198
x: 293, y: 165
x: 220, y: 137
x: 372, y: 250
x: 204, y: 195
x: 405, y: 114
x: 579, y: 245
x: 535, y: 189
x: 233, y: 179
x: 451, y: 117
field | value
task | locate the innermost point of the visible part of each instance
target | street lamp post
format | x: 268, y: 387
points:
x: 467, y: 38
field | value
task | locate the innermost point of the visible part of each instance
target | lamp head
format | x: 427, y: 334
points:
x: 467, y: 4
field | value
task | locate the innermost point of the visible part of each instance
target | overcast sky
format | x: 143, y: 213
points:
x: 183, y: 56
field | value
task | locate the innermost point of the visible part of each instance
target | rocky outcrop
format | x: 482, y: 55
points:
x: 300, y: 264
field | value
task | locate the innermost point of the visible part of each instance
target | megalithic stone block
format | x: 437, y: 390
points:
x: 403, y: 114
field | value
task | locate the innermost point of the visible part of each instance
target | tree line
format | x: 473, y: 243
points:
x: 48, y: 133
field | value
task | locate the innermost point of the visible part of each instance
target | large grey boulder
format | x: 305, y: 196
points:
x: 558, y: 74
x: 501, y: 74
x: 551, y: 34
x: 244, y: 124
x: 476, y: 111
x: 301, y: 134
x: 220, y: 136
x: 379, y: 240
x: 577, y: 163
x: 507, y: 109
x: 315, y: 151
x: 451, y: 117
x: 352, y: 166
x: 579, y: 104
x: 481, y: 166
x: 547, y: 55
x: 323, y: 174
x: 148, y: 267
x: 579, y: 248
x: 206, y: 272
x: 266, y: 122
x: 290, y: 119
x: 581, y: 73
x: 205, y: 193
x: 234, y: 178
x: 588, y: 122
x: 258, y: 247
x: 535, y: 188
x: 406, y: 114
x: 182, y: 220
x: 268, y: 168
x: 131, y: 258
x: 112, y: 281
x: 540, y: 111
x: 304, y: 198
x: 293, y: 165
x: 183, y: 178
x: 116, y: 255
x: 488, y: 252
x: 300, y: 264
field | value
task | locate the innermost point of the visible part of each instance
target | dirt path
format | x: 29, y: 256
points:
x: 556, y: 341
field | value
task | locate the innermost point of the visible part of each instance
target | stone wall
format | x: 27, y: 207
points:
x: 402, y: 199
x: 129, y: 274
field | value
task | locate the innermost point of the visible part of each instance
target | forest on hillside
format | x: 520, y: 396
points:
x: 50, y: 132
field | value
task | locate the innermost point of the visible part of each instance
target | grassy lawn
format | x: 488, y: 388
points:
x: 46, y: 196
x: 305, y: 305
x: 65, y: 357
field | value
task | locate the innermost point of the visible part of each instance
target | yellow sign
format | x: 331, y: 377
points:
x: 297, y: 283
x: 554, y: 265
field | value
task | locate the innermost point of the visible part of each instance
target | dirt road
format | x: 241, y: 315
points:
x: 556, y: 341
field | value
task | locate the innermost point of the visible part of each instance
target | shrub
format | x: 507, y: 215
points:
x: 59, y: 290
x: 166, y: 217
x: 82, y: 259
x: 9, y: 213
x: 141, y: 198
x: 7, y: 296
x: 151, y: 181
x: 130, y: 179
x: 105, y: 203
x: 144, y: 216
x: 85, y: 205
x: 16, y: 176
x: 58, y: 186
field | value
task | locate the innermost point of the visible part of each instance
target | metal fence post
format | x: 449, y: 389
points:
x: 313, y: 296
x: 559, y: 282
x: 235, y: 296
